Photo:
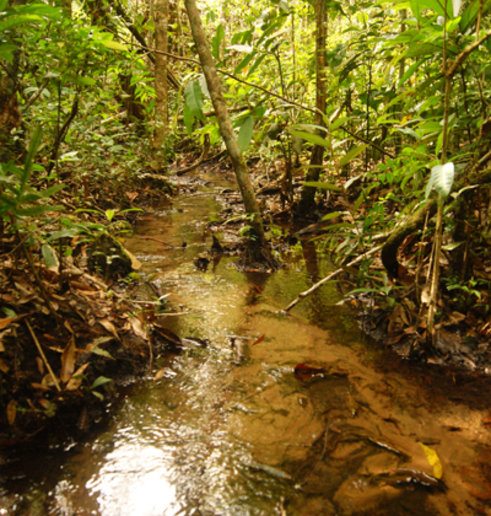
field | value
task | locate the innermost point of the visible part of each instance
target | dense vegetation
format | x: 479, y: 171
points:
x: 371, y: 119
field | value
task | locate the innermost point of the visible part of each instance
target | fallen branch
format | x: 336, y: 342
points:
x: 314, y: 287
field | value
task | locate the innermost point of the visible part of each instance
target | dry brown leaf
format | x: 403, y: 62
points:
x: 68, y: 358
x: 11, y: 411
x: 6, y: 321
x: 4, y: 367
x: 109, y: 326
x: 159, y: 374
x: 77, y: 378
x: 66, y: 324
x: 39, y: 386
x: 135, y: 263
x: 139, y: 328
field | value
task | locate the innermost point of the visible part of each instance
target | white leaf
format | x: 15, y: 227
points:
x: 441, y: 179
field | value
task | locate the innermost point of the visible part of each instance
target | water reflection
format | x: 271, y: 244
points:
x: 134, y: 479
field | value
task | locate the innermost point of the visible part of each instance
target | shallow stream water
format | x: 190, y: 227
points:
x: 229, y: 429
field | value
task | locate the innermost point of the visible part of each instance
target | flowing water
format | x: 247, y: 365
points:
x: 229, y: 429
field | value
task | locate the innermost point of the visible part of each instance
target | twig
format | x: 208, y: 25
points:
x: 314, y: 287
x: 43, y: 356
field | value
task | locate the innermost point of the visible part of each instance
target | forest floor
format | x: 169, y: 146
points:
x: 80, y: 323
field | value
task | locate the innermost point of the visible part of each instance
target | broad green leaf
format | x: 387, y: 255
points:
x: 333, y: 215
x: 322, y: 185
x: 433, y: 460
x: 40, y: 9
x: 194, y: 99
x: 338, y: 123
x: 216, y: 41
x: 245, y: 133
x: 63, y: 233
x: 113, y: 45
x: 469, y: 15
x: 245, y: 62
x: 16, y: 20
x: 50, y: 257
x: 3, y: 4
x: 310, y: 137
x: 355, y: 151
x: 441, y: 179
x: 257, y: 62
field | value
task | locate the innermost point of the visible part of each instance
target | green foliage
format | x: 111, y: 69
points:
x: 18, y: 199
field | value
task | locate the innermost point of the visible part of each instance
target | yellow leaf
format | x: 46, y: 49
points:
x: 433, y: 460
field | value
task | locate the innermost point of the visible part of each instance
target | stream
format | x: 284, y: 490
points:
x: 226, y: 427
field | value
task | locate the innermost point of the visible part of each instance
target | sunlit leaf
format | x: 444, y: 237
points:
x: 433, y: 460
x: 456, y: 7
x: 441, y: 179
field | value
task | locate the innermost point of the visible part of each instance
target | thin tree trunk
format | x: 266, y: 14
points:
x: 307, y: 200
x: 161, y: 17
x: 259, y: 249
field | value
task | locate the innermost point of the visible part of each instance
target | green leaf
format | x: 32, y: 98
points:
x: 33, y: 147
x: 194, y: 99
x: 188, y: 118
x: 321, y: 185
x: 100, y: 380
x: 16, y: 20
x: 355, y: 151
x: 245, y: 133
x: 7, y: 51
x: 244, y: 62
x: 50, y: 256
x: 316, y: 139
x: 441, y: 179
x: 216, y: 41
x: 113, y: 45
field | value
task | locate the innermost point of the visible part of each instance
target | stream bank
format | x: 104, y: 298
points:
x: 261, y: 412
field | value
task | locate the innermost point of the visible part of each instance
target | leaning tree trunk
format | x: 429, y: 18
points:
x: 259, y: 249
x: 161, y: 17
x: 307, y: 200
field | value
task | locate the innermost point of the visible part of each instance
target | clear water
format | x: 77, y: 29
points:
x: 228, y: 429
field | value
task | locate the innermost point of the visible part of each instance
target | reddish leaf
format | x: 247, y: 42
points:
x: 306, y: 372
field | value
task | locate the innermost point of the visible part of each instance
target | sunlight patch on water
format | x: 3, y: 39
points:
x: 134, y: 478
